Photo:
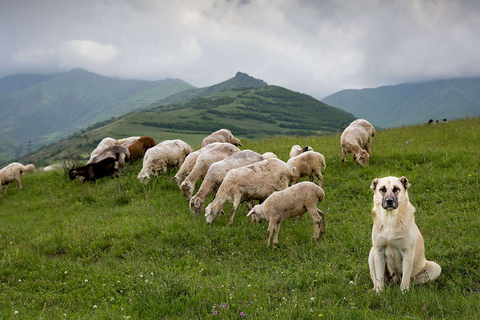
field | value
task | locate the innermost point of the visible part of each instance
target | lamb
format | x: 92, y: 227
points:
x: 168, y: 153
x: 253, y: 182
x: 217, y: 172
x: 140, y: 146
x: 127, y: 141
x: 296, y: 150
x: 289, y: 203
x: 93, y: 171
x: 222, y: 135
x: 104, y: 144
x: 189, y: 163
x: 14, y: 172
x: 204, y: 161
x: 307, y: 164
x: 356, y: 139
x: 115, y: 151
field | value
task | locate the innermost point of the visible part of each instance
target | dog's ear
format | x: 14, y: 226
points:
x: 405, y: 183
x: 373, y: 186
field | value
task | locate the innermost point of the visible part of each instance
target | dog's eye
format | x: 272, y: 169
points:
x: 396, y: 189
x: 383, y: 189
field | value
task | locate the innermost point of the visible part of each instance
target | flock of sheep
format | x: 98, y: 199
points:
x: 234, y: 175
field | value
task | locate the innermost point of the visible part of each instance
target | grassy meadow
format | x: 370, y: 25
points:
x: 122, y: 250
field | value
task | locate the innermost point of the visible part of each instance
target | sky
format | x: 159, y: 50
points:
x: 317, y: 47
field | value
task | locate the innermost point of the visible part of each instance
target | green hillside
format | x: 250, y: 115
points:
x: 119, y: 249
x: 412, y: 103
x: 46, y: 109
x: 249, y: 113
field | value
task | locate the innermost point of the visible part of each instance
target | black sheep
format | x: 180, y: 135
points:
x: 94, y: 171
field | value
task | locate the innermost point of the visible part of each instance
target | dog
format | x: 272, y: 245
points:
x: 398, y: 252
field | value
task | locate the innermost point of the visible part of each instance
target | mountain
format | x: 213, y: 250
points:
x: 254, y: 112
x: 41, y: 109
x: 412, y: 103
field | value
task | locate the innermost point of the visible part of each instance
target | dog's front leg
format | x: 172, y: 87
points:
x: 379, y: 262
x: 407, y: 266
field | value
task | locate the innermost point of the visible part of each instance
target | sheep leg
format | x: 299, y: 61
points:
x: 367, y: 148
x: 271, y: 228
x: 320, y: 178
x: 250, y: 205
x: 311, y: 178
x: 236, y: 203
x: 275, y: 232
x: 354, y: 159
x: 344, y: 154
x: 19, y: 183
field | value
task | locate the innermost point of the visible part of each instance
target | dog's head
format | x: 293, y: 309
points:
x: 390, y: 192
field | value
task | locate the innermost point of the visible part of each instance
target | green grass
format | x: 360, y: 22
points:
x: 119, y: 249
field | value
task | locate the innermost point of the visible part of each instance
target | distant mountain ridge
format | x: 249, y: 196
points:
x: 40, y: 109
x: 411, y: 103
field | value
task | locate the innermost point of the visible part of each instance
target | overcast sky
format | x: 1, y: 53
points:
x: 314, y: 47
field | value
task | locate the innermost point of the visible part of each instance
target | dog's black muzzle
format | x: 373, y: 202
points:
x: 389, y: 203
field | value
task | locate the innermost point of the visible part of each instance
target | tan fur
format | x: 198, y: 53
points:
x: 356, y: 139
x: 14, y: 172
x: 291, y: 202
x: 217, y: 172
x: 308, y: 164
x: 398, y: 251
x: 104, y: 144
x: 127, y: 141
x: 253, y: 182
x: 204, y: 161
x: 222, y: 135
x: 139, y: 147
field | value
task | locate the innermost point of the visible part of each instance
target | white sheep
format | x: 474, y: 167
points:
x: 204, y: 161
x: 14, y: 172
x: 222, y: 135
x: 291, y: 202
x: 189, y: 163
x: 253, y: 182
x: 115, y: 151
x: 308, y: 164
x: 269, y: 155
x: 217, y: 172
x: 168, y: 153
x: 104, y: 144
x: 296, y: 150
x: 127, y: 141
x: 356, y: 139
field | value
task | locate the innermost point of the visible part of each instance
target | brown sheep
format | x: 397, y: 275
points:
x: 139, y: 147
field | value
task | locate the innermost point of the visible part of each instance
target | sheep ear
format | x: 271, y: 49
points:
x: 405, y: 183
x: 196, y: 203
x: 251, y: 212
x: 223, y: 213
x: 173, y: 179
x: 373, y: 186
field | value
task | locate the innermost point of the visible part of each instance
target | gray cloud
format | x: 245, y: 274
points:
x: 315, y: 47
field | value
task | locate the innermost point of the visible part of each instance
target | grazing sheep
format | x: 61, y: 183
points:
x: 222, y: 135
x: 269, y: 155
x: 104, y: 144
x: 296, y: 150
x: 14, y: 172
x: 204, y: 161
x: 168, y: 153
x: 127, y: 141
x: 140, y: 146
x: 93, y: 171
x: 356, y: 139
x: 445, y: 121
x: 253, y: 182
x: 217, y: 172
x: 48, y: 168
x: 307, y: 164
x: 430, y: 121
x: 117, y: 152
x: 189, y: 163
x: 291, y: 202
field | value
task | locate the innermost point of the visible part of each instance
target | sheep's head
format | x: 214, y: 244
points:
x: 178, y: 180
x: 187, y: 189
x: 196, y: 205
x: 363, y: 157
x: 72, y: 173
x: 257, y: 213
x: 235, y: 142
x: 143, y: 177
x: 211, y: 214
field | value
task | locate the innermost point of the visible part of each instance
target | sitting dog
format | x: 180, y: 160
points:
x: 398, y: 252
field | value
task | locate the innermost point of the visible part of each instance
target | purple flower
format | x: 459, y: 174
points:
x: 215, y: 309
x: 224, y: 306
x: 242, y: 314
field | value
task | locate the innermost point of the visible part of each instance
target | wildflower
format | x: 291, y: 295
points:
x: 242, y: 314
x: 95, y: 307
x: 15, y: 313
x: 65, y: 272
x: 86, y: 280
x: 215, y: 309
x: 224, y: 306
x: 312, y: 298
x: 320, y: 315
